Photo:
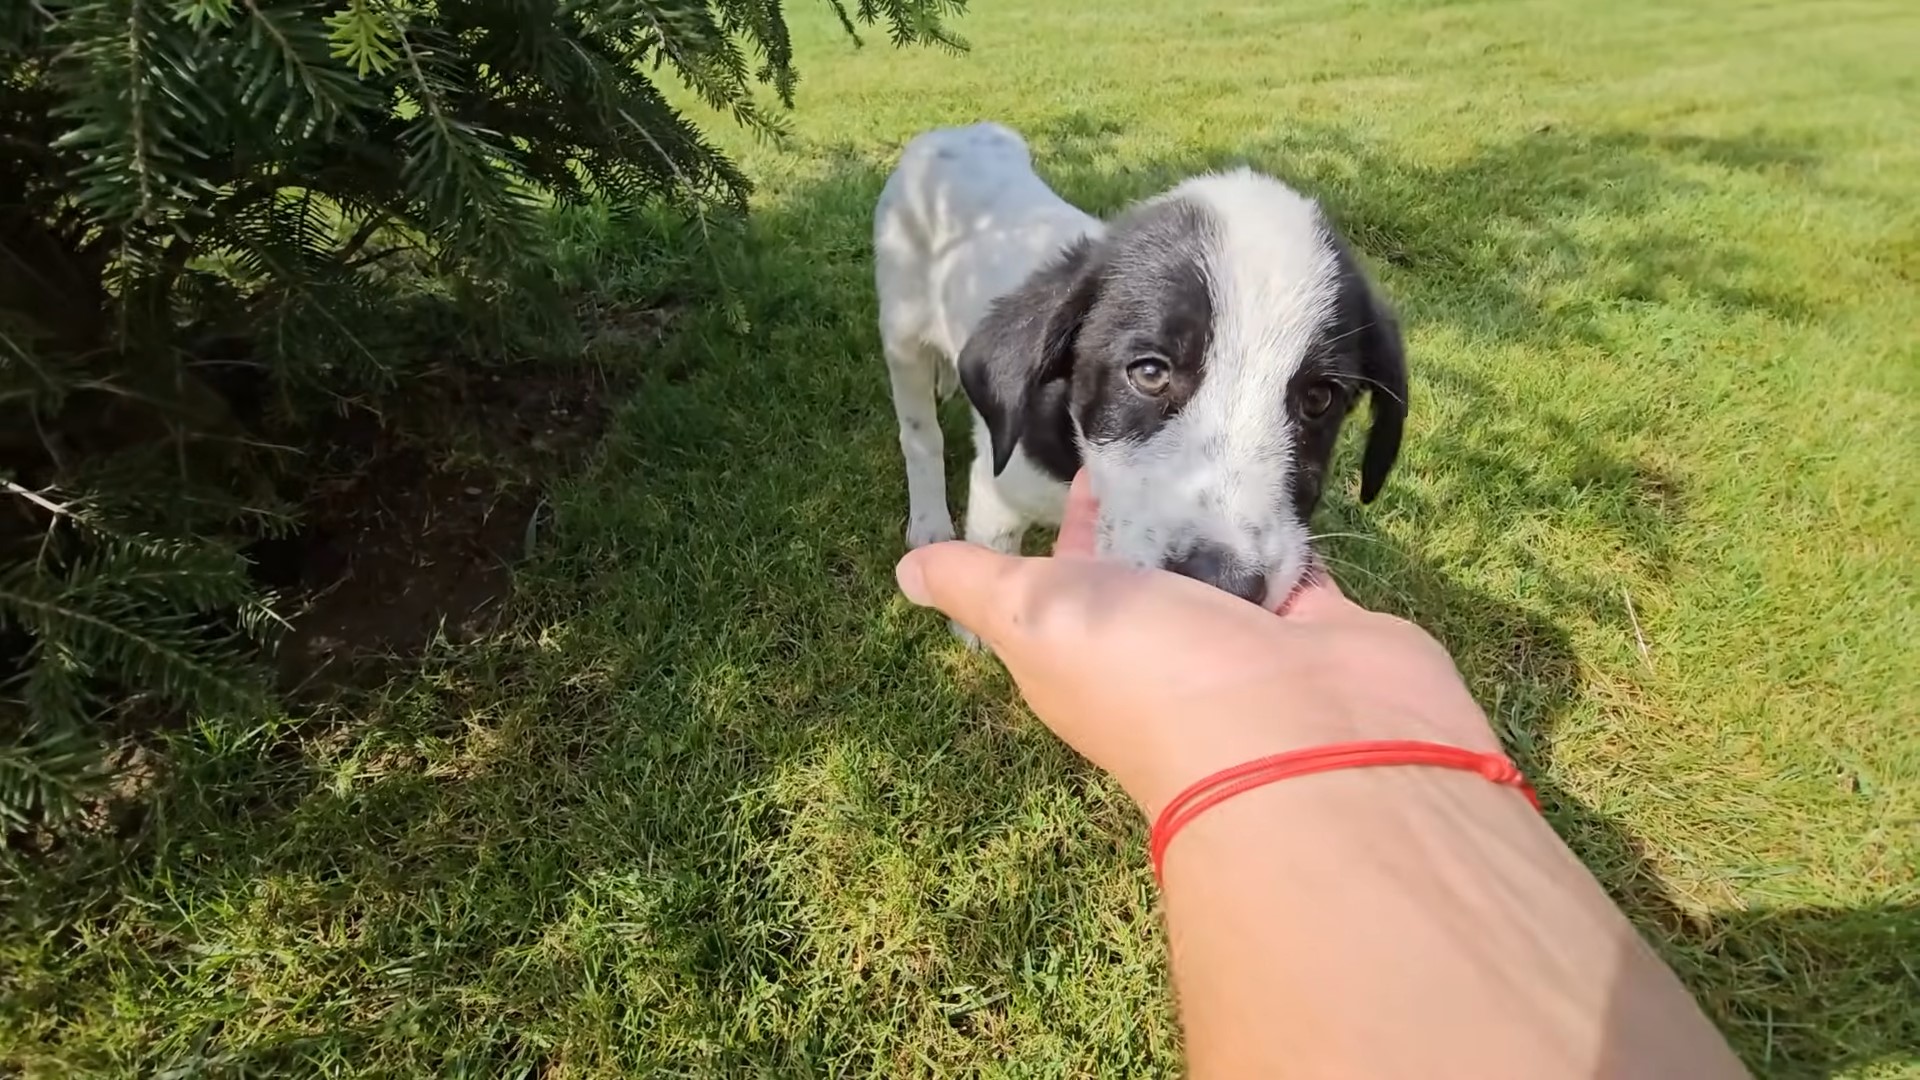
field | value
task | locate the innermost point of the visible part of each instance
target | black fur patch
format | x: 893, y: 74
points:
x: 1058, y: 347
x: 1360, y: 345
x: 1016, y: 362
x: 1153, y: 304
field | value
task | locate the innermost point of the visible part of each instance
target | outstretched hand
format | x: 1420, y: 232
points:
x: 1468, y: 933
x: 1160, y: 679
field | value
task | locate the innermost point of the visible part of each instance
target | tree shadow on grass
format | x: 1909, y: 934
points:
x: 724, y: 803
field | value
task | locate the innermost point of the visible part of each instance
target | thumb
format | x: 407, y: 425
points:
x: 1077, y: 525
x: 966, y: 582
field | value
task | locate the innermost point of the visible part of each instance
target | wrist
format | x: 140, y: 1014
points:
x: 1223, y: 786
x: 1399, y: 817
x: 1225, y: 735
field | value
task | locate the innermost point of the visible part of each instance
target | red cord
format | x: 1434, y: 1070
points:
x: 1213, y: 790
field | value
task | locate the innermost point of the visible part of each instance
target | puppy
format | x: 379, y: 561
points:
x: 1198, y: 355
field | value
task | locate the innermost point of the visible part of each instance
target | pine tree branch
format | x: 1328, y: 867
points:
x: 240, y: 167
x: 206, y: 683
x: 137, y: 97
x: 379, y: 256
x: 34, y: 497
x: 359, y: 239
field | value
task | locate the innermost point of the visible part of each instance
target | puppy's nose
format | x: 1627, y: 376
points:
x: 1217, y: 567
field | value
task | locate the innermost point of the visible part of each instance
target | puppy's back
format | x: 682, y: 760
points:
x: 951, y: 181
x: 964, y: 219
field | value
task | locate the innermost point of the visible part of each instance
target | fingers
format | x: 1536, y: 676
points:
x: 1317, y: 597
x: 988, y: 592
x: 1076, y: 529
x: 968, y: 583
x: 1007, y: 600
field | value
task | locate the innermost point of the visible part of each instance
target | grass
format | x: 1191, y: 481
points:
x: 721, y: 805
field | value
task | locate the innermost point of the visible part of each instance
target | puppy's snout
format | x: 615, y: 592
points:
x: 1217, y: 567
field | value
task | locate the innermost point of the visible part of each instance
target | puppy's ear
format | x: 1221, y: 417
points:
x: 1025, y: 342
x: 1383, y: 363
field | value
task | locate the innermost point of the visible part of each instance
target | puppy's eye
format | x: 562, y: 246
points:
x: 1316, y: 399
x: 1150, y: 375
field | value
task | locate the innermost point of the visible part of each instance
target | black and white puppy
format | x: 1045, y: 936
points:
x: 1198, y: 355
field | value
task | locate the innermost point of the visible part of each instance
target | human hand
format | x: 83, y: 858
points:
x: 1161, y: 680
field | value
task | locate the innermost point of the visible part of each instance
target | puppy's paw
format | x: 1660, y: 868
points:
x: 966, y: 637
x: 921, y: 532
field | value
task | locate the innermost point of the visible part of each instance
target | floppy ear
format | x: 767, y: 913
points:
x: 1025, y: 342
x: 1383, y: 362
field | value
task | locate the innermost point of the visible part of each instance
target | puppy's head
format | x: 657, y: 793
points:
x: 1201, y: 356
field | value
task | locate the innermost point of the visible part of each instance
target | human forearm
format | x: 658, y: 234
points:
x: 1408, y: 921
x: 1398, y: 921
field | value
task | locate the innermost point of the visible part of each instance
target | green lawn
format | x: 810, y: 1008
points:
x: 722, y: 805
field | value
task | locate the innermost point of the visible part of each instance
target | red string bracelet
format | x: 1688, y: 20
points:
x: 1213, y: 790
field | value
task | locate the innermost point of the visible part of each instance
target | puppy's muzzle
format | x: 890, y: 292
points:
x: 1217, y: 567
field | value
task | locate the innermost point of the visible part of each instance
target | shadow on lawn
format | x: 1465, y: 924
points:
x: 595, y: 819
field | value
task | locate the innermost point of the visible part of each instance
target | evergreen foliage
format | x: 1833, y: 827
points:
x: 188, y: 187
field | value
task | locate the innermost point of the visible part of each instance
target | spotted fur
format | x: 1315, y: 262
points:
x: 1232, y: 285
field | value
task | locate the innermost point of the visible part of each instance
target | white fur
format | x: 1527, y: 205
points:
x: 963, y: 221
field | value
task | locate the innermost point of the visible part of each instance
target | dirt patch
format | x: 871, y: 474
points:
x: 412, y: 523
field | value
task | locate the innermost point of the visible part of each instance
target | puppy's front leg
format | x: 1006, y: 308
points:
x: 992, y: 522
x: 915, y: 371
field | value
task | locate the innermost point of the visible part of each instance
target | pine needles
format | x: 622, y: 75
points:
x: 275, y: 175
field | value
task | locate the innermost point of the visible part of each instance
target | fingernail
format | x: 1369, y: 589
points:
x: 912, y: 579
